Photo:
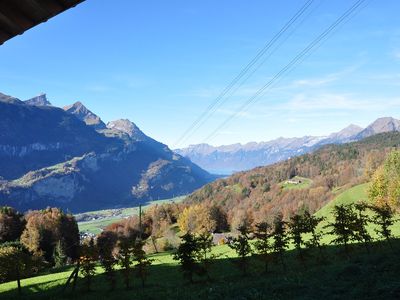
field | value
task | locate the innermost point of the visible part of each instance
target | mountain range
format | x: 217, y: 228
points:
x: 240, y: 157
x: 69, y: 158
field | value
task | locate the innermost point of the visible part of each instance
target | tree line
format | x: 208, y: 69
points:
x: 266, y: 241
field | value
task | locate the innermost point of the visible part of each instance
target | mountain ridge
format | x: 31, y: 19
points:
x: 55, y: 157
x: 227, y: 159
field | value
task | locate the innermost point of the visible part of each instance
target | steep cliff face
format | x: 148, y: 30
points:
x: 51, y: 157
x: 82, y: 113
x: 33, y: 137
x: 40, y: 100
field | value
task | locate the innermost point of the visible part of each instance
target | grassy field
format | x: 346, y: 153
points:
x: 352, y: 195
x: 360, y: 276
x: 334, y: 276
x: 102, y: 218
x: 302, y: 183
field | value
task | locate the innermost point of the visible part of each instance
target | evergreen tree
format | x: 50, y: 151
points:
x: 186, y: 255
x: 60, y: 258
x: 142, y: 261
x: 280, y: 240
x: 361, y: 231
x: 125, y: 258
x: 88, y: 259
x: 106, y: 243
x: 344, y: 226
x: 311, y: 223
x: 384, y: 219
x: 262, y: 244
x: 297, y: 228
x: 242, y: 247
x: 205, y: 243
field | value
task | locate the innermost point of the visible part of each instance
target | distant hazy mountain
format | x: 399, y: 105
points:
x: 237, y: 157
x: 40, y: 100
x: 50, y: 157
x: 381, y: 125
x: 85, y: 115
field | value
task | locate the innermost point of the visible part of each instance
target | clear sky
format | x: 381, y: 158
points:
x: 161, y: 63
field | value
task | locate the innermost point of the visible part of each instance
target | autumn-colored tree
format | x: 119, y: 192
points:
x: 16, y: 262
x: 262, y: 244
x: 220, y: 218
x: 88, y: 258
x: 196, y: 219
x: 385, y: 186
x: 242, y: 247
x: 45, y: 228
x: 12, y: 223
x: 106, y: 243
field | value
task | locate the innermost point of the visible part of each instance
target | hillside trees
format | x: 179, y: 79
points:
x: 385, y: 187
x: 106, y: 243
x: 12, y: 224
x: 16, y: 262
x: 45, y: 228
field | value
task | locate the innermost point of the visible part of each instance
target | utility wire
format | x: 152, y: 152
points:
x: 260, y: 54
x: 235, y: 89
x: 289, y: 66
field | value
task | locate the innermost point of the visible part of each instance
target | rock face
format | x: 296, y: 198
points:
x: 129, y: 128
x: 49, y: 157
x: 40, y: 100
x: 85, y: 115
x: 231, y: 158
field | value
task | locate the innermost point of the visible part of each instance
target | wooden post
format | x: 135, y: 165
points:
x: 76, y: 275
x: 18, y: 278
x: 140, y: 221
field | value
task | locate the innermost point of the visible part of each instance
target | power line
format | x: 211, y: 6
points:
x: 232, y: 92
x: 289, y: 66
x: 260, y: 54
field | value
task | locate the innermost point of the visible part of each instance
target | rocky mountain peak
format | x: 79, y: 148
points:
x: 85, y: 115
x: 347, y: 132
x: 40, y: 100
x: 9, y: 99
x: 385, y: 124
x: 128, y: 127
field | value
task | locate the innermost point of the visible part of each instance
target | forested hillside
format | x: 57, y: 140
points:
x: 266, y: 191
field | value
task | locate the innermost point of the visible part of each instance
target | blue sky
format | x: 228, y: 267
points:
x: 161, y: 63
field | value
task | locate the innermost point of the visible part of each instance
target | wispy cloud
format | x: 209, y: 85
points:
x: 343, y: 102
x: 396, y: 54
